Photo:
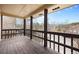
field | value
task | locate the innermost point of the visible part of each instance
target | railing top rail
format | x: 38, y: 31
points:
x: 11, y: 29
x: 65, y: 34
x: 61, y: 34
x: 55, y: 33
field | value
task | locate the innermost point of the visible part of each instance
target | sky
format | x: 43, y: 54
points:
x: 65, y: 16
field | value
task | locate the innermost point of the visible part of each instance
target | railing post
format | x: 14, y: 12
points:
x: 64, y: 44
x: 45, y: 27
x: 31, y: 18
x: 24, y: 27
x: 71, y: 45
x: 1, y: 24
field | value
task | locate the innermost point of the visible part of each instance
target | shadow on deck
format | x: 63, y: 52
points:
x: 23, y: 45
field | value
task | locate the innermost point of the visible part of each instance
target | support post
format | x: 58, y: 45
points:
x: 45, y: 27
x: 24, y: 27
x: 1, y: 24
x: 31, y: 18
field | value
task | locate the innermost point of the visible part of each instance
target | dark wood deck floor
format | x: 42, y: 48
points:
x: 22, y: 45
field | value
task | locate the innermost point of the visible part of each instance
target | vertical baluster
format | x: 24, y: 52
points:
x: 2, y: 32
x: 42, y: 37
x: 50, y: 41
x: 5, y: 34
x: 11, y: 33
x: 71, y: 45
x: 8, y: 33
x: 58, y: 44
x: 54, y: 41
x: 64, y: 45
x: 16, y: 32
x: 21, y: 32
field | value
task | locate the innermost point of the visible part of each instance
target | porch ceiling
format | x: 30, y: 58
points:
x: 20, y: 10
x: 25, y: 10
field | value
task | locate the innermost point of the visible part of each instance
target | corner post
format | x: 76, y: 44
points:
x: 45, y: 27
x: 1, y: 24
x: 31, y: 23
x: 24, y: 27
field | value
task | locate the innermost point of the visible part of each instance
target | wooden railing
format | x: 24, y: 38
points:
x: 8, y: 33
x: 52, y: 37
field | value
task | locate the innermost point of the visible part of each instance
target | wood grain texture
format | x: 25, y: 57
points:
x: 23, y: 45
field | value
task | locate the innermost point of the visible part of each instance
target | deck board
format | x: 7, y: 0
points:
x: 23, y: 45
